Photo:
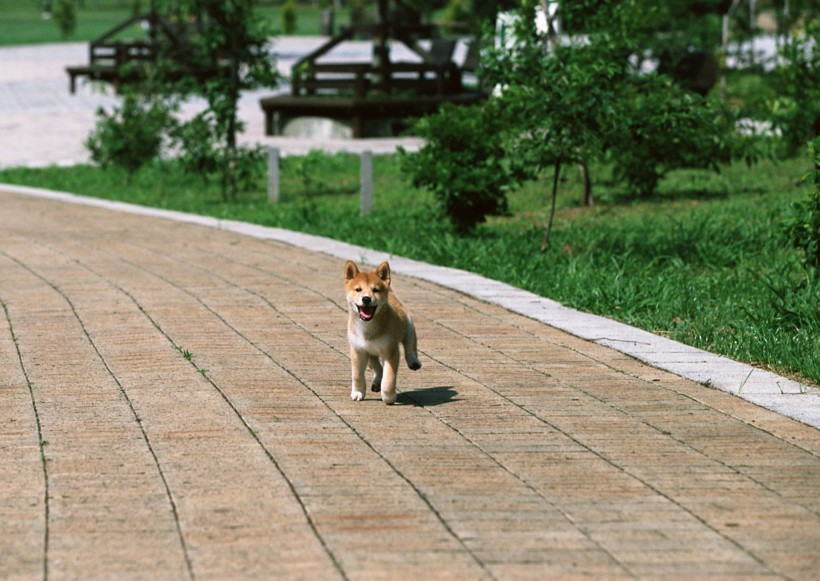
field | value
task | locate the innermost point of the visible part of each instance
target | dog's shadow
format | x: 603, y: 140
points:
x: 429, y: 396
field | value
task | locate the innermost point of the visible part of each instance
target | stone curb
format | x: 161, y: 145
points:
x: 769, y: 390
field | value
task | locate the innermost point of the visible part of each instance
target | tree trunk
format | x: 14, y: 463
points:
x: 589, y: 200
x: 233, y: 95
x: 546, y: 242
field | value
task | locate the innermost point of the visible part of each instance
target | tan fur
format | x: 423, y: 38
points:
x: 377, y: 324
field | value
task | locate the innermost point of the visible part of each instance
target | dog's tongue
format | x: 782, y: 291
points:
x: 366, y: 313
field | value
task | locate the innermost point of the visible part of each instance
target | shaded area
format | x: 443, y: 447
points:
x: 431, y: 396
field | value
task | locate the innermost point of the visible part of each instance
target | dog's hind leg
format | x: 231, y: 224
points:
x: 377, y: 368
x: 410, y: 348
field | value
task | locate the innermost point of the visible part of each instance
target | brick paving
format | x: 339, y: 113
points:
x: 174, y: 404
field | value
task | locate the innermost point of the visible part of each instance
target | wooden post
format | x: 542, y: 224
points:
x: 273, y: 174
x: 366, y: 182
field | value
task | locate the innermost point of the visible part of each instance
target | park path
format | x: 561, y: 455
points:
x: 174, y: 405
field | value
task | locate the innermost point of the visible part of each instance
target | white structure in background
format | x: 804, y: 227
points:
x: 505, y: 23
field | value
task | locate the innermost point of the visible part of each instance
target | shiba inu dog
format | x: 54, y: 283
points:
x: 377, y: 324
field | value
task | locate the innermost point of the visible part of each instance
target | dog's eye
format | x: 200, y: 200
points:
x: 358, y: 289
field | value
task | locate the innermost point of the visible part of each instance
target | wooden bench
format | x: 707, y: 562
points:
x: 357, y: 111
x: 360, y: 79
x: 379, y: 90
x: 118, y: 61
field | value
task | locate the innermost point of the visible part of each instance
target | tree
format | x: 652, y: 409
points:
x: 582, y: 101
x: 228, y: 52
x: 663, y: 127
x: 558, y: 95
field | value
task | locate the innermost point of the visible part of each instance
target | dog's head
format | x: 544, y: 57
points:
x: 366, y: 291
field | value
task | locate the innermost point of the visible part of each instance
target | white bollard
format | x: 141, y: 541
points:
x: 366, y: 181
x: 273, y: 174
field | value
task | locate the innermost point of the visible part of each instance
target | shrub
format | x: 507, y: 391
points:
x: 131, y: 135
x: 583, y: 102
x: 196, y: 143
x: 289, y: 17
x: 65, y: 16
x: 457, y: 12
x: 803, y: 225
x: 796, y: 111
x: 232, y: 45
x: 200, y: 152
x: 662, y: 127
x: 463, y: 163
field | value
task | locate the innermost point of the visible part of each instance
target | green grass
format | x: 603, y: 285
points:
x: 22, y: 22
x: 704, y: 262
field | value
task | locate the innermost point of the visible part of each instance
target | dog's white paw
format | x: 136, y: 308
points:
x: 389, y: 399
x: 356, y: 395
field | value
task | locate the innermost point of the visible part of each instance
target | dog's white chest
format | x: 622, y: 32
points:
x: 361, y: 340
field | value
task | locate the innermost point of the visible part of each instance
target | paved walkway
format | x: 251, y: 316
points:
x: 174, y: 404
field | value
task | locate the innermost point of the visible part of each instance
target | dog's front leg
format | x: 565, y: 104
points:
x: 358, y: 364
x: 390, y: 367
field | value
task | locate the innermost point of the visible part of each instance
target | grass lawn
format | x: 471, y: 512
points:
x: 705, y: 262
x: 22, y: 21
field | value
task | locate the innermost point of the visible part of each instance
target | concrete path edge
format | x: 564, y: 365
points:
x: 764, y: 388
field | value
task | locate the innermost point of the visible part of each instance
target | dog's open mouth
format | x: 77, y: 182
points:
x: 366, y: 312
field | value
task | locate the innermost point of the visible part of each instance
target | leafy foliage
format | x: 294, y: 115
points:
x: 65, y: 17
x: 662, y: 127
x: 131, y: 135
x: 289, y: 17
x: 232, y: 47
x: 803, y: 226
x: 586, y: 101
x: 196, y: 142
x: 463, y: 163
x: 225, y: 52
x: 796, y: 110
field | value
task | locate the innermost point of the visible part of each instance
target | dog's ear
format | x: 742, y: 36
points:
x: 383, y: 272
x: 351, y: 270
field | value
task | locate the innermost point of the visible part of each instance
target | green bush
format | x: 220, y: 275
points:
x: 585, y: 102
x: 457, y: 12
x: 463, y: 163
x: 660, y: 128
x: 796, y: 110
x: 65, y: 16
x: 131, y: 135
x: 195, y: 142
x: 289, y: 17
x: 201, y: 153
x: 803, y: 225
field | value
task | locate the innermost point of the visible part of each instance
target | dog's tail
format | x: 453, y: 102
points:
x: 410, y: 348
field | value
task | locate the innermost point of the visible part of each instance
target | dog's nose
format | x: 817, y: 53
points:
x: 366, y: 300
